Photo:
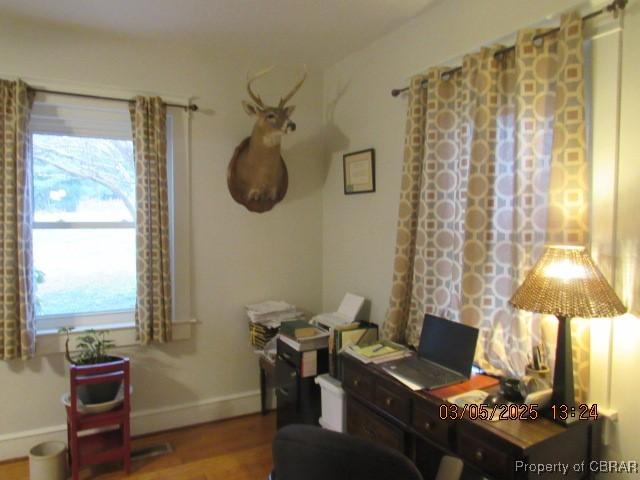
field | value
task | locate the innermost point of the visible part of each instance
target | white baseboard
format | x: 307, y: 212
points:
x: 18, y: 444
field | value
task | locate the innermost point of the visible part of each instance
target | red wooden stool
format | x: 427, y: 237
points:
x: 106, y: 445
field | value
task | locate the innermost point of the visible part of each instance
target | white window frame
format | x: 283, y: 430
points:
x: 56, y: 115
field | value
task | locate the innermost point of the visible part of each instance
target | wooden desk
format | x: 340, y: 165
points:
x: 381, y: 408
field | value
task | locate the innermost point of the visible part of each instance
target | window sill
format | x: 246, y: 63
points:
x: 86, y: 321
x: 124, y: 335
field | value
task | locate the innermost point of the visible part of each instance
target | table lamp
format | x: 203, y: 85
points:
x: 565, y: 282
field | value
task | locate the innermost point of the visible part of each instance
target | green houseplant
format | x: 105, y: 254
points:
x: 91, y: 349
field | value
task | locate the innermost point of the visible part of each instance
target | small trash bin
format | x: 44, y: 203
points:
x: 333, y: 403
x: 48, y: 461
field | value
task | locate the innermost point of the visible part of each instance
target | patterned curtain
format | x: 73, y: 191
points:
x: 153, y: 301
x: 504, y: 171
x: 414, y: 141
x: 17, y: 320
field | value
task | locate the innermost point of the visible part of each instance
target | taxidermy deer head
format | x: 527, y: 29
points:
x: 257, y: 175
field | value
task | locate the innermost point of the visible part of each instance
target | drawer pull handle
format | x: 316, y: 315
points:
x: 356, y: 382
x: 388, y: 401
x: 479, y: 455
x: 286, y: 356
x: 293, y: 374
x: 427, y: 425
x: 283, y: 391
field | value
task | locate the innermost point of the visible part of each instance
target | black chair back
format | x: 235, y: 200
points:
x: 302, y: 452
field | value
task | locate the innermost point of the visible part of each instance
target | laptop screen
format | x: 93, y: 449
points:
x: 450, y: 344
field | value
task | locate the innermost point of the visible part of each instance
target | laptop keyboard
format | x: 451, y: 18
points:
x: 435, y: 375
x: 430, y: 374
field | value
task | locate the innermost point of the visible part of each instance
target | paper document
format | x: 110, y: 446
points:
x: 309, y: 366
x: 350, y: 306
x: 331, y: 320
x: 347, y: 312
x: 269, y: 306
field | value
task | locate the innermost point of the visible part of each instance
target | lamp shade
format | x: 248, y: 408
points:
x: 566, y: 282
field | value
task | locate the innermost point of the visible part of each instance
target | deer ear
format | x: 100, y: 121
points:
x: 289, y: 110
x: 250, y: 108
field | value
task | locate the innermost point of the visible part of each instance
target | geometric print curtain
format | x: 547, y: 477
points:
x: 17, y: 313
x: 153, y: 264
x: 406, y: 232
x: 501, y: 172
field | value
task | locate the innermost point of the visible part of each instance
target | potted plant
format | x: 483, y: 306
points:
x: 92, y: 349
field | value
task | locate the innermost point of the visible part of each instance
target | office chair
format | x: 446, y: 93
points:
x: 312, y: 453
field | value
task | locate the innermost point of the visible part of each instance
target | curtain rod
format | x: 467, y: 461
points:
x: 613, y: 7
x: 191, y: 107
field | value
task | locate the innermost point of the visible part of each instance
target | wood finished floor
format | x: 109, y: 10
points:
x: 235, y: 449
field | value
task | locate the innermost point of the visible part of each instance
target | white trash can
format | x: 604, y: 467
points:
x: 48, y: 461
x: 333, y: 403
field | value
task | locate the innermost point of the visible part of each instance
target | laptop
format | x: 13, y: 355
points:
x: 445, y: 355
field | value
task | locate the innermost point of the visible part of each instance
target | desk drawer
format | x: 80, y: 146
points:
x: 392, y: 401
x: 364, y: 423
x: 358, y: 380
x: 426, y: 420
x: 286, y: 393
x: 289, y: 354
x: 486, y: 455
x: 286, y: 383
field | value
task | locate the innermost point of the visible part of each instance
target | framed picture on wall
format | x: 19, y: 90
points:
x: 359, y: 171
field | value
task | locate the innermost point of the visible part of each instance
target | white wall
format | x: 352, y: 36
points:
x: 359, y: 230
x: 615, y: 233
x: 238, y: 257
x: 625, y: 390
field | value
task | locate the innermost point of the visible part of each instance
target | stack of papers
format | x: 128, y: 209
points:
x: 380, y: 352
x: 272, y: 313
x: 266, y: 317
x: 259, y: 335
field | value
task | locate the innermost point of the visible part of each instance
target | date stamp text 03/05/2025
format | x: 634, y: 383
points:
x: 513, y: 411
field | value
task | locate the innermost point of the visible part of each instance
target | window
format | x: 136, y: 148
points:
x: 83, y: 213
x: 84, y: 227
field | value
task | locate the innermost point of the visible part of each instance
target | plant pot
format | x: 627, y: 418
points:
x: 100, y: 392
x: 94, y: 408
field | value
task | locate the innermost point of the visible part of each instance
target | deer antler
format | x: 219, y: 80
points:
x: 256, y: 98
x: 284, y: 100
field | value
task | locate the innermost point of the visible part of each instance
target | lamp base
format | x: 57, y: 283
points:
x: 561, y: 415
x: 562, y: 408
